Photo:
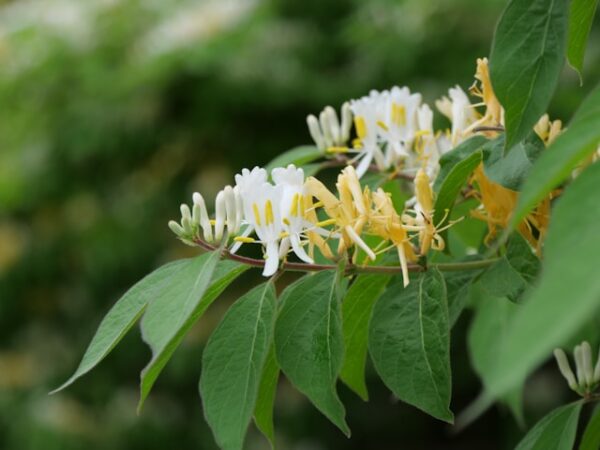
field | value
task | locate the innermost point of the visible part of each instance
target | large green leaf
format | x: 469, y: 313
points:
x: 170, y: 316
x: 514, y: 272
x: 488, y: 328
x: 525, y: 61
x: 511, y: 170
x: 356, y: 312
x: 233, y: 363
x: 555, y: 164
x: 455, y: 156
x: 458, y: 291
x: 298, y: 156
x: 556, y: 431
x: 581, y: 16
x: 123, y: 315
x: 591, y: 435
x: 409, y: 341
x: 263, y: 412
x: 568, y: 291
x: 309, y: 342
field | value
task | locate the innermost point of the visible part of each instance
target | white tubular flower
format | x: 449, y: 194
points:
x: 399, y: 123
x: 459, y: 110
x: 565, y: 368
x: 263, y: 215
x: 367, y: 115
x: 327, y: 131
x: 200, y: 216
x: 292, y: 208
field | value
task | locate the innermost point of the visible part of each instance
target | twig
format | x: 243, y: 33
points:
x: 350, y: 268
x: 487, y: 128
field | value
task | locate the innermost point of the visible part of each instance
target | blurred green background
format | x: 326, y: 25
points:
x: 112, y: 112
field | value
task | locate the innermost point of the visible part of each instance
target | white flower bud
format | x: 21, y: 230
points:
x: 597, y: 369
x: 200, y: 215
x: 346, y: 125
x: 565, y: 368
x: 578, y: 354
x: 176, y: 228
x: 230, y: 209
x: 333, y: 124
x: 220, y: 215
x: 326, y: 129
x: 588, y: 371
x: 186, y: 220
x: 315, y: 131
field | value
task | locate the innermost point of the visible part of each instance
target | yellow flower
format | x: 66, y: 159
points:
x: 494, y: 114
x: 387, y: 224
x: 548, y: 130
x: 349, y: 213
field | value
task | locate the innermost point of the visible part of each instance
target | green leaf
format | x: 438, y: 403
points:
x: 489, y: 326
x: 568, y: 291
x: 511, y: 170
x: 455, y: 156
x: 409, y: 342
x: 458, y: 288
x: 450, y: 188
x: 233, y: 363
x: 591, y: 435
x: 556, y: 431
x: 170, y: 316
x: 581, y: 16
x: 263, y: 412
x: 555, y: 164
x: 309, y: 343
x: 526, y: 59
x: 123, y: 315
x: 356, y: 312
x: 514, y: 272
x: 298, y: 156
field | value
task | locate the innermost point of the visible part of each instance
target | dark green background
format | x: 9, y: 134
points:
x: 112, y: 112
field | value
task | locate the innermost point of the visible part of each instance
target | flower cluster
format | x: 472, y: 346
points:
x: 393, y: 135
x: 284, y: 217
x: 588, y: 375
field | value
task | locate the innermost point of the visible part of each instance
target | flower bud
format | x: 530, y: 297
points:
x: 315, y: 131
x: 200, y: 215
x: 588, y: 371
x: 176, y: 228
x: 565, y: 368
x: 220, y: 215
x: 346, y: 125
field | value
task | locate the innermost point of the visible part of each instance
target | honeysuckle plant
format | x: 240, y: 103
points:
x: 496, y: 212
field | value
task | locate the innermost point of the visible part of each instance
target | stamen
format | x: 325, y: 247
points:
x: 286, y: 221
x: 294, y: 206
x: 358, y: 241
x: 382, y: 125
x: 269, y: 219
x: 244, y: 239
x: 256, y: 214
x: 398, y: 114
x: 336, y: 149
x: 361, y: 127
x: 325, y: 223
x: 284, y: 234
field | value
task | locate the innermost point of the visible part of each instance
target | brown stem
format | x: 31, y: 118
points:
x: 350, y: 268
x: 487, y: 128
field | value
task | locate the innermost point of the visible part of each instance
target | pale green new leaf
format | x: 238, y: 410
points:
x: 556, y: 163
x: 263, y: 412
x: 170, y: 316
x: 568, y: 290
x: 123, y: 315
x: 409, y: 343
x: 527, y: 56
x: 581, y: 16
x: 298, y: 156
x: 556, y: 431
x: 309, y: 341
x: 356, y: 312
x: 233, y: 363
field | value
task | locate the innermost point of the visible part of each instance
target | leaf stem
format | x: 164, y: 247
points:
x: 350, y: 268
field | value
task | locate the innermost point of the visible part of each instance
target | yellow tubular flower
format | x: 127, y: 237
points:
x: 498, y: 204
x: 314, y: 238
x: 429, y: 236
x: 350, y: 211
x: 386, y: 223
x: 493, y: 111
x: 548, y: 130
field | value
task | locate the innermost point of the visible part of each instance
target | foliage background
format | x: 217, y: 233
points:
x: 112, y: 112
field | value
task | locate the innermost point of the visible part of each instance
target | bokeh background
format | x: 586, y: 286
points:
x: 112, y: 112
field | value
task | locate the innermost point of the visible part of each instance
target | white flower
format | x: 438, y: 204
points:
x: 327, y: 131
x: 399, y: 123
x: 261, y: 212
x: 459, y: 110
x: 368, y: 113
